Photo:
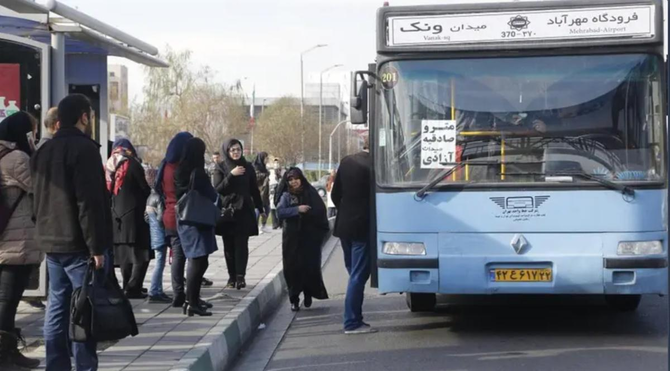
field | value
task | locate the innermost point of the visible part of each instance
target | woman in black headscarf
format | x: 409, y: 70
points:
x: 263, y: 180
x: 166, y: 190
x: 303, y: 214
x: 17, y: 128
x: 235, y: 180
x: 198, y: 242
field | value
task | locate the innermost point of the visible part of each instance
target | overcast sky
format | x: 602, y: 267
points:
x: 257, y: 39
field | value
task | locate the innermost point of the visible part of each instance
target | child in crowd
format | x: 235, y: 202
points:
x: 154, y: 216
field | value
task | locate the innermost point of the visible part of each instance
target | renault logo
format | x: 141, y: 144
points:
x: 519, y: 243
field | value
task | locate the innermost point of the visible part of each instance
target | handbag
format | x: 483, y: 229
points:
x: 230, y: 205
x: 195, y: 209
x: 100, y: 312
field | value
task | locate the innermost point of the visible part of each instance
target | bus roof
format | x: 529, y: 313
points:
x: 520, y: 24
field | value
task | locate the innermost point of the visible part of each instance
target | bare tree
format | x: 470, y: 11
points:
x: 180, y: 98
x: 279, y: 129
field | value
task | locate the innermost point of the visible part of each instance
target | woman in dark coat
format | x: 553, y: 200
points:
x: 197, y: 242
x: 263, y: 180
x: 166, y: 190
x: 129, y: 191
x: 235, y: 181
x: 303, y: 214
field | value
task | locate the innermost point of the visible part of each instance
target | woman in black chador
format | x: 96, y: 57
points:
x: 303, y: 215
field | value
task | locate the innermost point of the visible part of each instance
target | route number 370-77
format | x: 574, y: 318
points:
x: 511, y: 34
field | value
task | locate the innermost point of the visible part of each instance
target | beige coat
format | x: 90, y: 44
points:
x: 17, y: 246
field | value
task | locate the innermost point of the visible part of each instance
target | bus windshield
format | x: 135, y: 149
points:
x: 521, y: 120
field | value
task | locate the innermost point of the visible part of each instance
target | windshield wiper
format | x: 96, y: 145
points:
x: 440, y: 177
x: 421, y: 194
x: 624, y: 189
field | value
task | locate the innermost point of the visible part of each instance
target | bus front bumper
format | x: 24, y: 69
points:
x: 467, y: 264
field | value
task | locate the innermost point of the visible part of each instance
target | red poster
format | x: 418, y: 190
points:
x: 10, y: 89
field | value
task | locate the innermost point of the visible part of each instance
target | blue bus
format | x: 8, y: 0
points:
x: 518, y: 148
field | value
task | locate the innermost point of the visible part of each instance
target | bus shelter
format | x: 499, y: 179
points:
x: 52, y: 50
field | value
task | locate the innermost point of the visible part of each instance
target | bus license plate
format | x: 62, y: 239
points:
x: 521, y: 275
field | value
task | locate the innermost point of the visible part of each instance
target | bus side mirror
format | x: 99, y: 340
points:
x: 358, y: 111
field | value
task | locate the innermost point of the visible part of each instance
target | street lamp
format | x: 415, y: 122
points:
x: 330, y: 144
x: 302, y: 99
x: 251, y: 110
x: 321, y: 109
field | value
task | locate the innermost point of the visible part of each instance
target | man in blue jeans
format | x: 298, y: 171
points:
x: 73, y: 224
x: 351, y: 196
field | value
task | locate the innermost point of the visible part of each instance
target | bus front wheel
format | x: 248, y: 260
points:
x: 420, y: 302
x: 623, y: 303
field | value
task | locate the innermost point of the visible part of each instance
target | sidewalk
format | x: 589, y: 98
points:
x: 168, y: 339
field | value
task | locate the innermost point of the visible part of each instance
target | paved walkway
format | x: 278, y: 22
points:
x: 167, y: 335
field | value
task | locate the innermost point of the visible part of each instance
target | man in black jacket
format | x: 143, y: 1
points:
x: 351, y: 196
x: 72, y: 223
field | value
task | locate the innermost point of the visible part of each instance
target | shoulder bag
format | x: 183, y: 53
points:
x: 195, y: 209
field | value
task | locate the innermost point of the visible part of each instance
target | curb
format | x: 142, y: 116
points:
x: 216, y: 350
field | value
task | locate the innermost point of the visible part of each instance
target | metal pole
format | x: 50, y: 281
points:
x: 339, y: 147
x: 667, y: 143
x: 330, y: 145
x: 330, y: 154
x: 302, y: 100
x: 320, y: 117
x: 321, y: 112
x: 58, y: 87
x: 302, y: 113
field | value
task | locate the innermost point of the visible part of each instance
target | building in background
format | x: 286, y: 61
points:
x: 333, y: 108
x: 331, y: 90
x: 119, y: 127
x: 118, y: 88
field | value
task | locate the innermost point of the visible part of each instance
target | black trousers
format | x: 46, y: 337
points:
x: 178, y: 265
x: 133, y: 276
x: 275, y: 219
x: 196, y: 270
x: 13, y: 281
x: 236, y: 250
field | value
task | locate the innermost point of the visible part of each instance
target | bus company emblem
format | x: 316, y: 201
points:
x: 517, y: 203
x: 520, y: 208
x: 518, y: 23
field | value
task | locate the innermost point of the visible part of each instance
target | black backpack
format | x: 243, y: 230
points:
x: 6, y: 211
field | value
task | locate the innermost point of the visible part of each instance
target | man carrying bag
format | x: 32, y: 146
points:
x: 73, y: 224
x: 100, y: 311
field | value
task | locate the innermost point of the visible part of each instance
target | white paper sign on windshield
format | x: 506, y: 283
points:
x: 438, y: 144
x: 559, y: 24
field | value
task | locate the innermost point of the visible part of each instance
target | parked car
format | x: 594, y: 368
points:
x: 320, y: 185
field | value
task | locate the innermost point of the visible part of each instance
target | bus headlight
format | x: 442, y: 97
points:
x: 404, y: 248
x: 640, y: 248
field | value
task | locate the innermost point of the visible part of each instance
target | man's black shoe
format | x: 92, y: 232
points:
x: 136, y: 295
x: 159, y: 299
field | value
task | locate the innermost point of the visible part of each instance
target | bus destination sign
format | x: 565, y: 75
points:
x: 561, y: 24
